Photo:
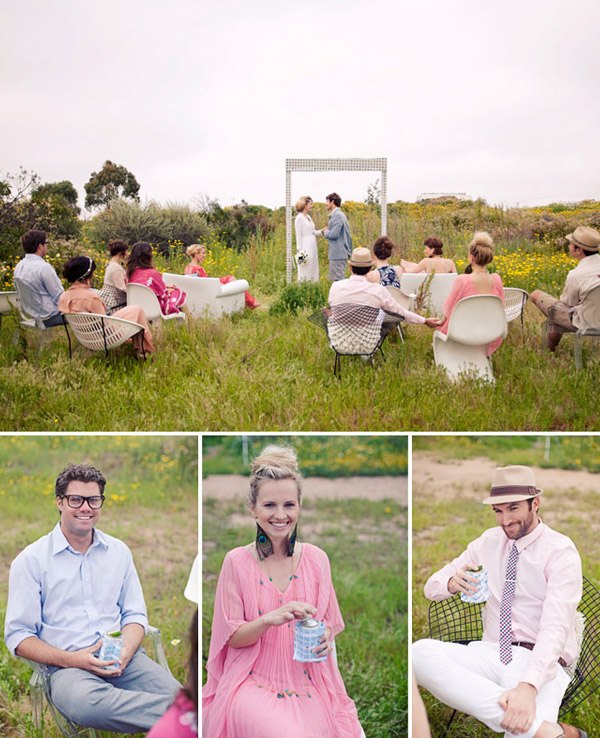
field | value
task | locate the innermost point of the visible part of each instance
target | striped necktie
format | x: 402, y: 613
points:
x: 508, y: 593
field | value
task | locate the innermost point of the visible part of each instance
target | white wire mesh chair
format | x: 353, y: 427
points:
x: 474, y: 322
x: 514, y: 303
x: 139, y: 294
x: 355, y: 330
x: 41, y: 695
x: 102, y: 332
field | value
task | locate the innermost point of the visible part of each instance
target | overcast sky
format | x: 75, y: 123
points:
x: 496, y: 99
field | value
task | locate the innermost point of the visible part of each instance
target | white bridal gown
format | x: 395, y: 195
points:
x: 307, y: 241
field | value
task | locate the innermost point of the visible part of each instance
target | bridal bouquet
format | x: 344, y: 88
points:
x: 301, y: 257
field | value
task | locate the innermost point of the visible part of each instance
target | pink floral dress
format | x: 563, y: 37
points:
x: 170, y: 299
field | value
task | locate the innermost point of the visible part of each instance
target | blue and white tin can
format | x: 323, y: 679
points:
x: 307, y: 636
x: 483, y: 592
x: 110, y: 650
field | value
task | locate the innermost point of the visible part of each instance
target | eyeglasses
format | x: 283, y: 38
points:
x: 76, y: 501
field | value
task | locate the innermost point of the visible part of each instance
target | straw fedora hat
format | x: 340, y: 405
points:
x: 585, y: 237
x: 361, y: 257
x: 512, y: 484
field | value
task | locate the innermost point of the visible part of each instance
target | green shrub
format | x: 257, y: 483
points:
x: 300, y: 296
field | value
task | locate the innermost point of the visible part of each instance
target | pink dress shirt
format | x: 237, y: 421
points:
x: 548, y: 590
x: 359, y: 291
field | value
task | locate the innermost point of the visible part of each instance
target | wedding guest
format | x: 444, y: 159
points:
x: 81, y: 298
x: 114, y: 289
x: 141, y: 270
x: 434, y: 260
x: 384, y: 273
x: 41, y: 286
x: 478, y: 282
x: 197, y: 253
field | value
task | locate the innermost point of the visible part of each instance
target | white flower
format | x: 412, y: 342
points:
x: 301, y: 257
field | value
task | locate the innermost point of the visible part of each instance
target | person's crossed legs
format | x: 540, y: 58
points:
x: 559, y: 316
x: 472, y: 679
x: 129, y: 703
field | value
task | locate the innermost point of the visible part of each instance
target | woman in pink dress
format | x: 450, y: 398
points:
x: 255, y: 689
x: 197, y: 254
x: 477, y: 282
x: 140, y: 270
x: 434, y: 260
x: 81, y: 298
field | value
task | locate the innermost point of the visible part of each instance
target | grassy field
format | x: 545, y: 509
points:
x: 444, y: 522
x: 151, y: 505
x: 265, y: 372
x: 366, y: 543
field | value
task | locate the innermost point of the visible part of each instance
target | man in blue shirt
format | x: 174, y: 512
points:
x: 36, y: 281
x: 65, y: 592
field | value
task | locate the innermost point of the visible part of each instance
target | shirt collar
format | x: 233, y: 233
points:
x: 60, y: 543
x: 530, y: 538
x: 359, y: 276
x: 34, y: 256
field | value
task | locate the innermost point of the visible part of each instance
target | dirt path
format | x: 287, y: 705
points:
x: 448, y: 478
x: 233, y: 486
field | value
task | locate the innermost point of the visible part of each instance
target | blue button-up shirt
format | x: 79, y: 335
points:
x: 41, y: 300
x: 69, y: 599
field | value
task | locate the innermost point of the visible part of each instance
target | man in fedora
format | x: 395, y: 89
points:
x: 513, y: 680
x: 358, y: 290
x: 567, y: 313
x: 338, y: 237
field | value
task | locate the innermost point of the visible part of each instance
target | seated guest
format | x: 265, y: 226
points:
x: 114, y: 289
x: 478, y: 282
x: 433, y: 261
x: 384, y: 273
x: 357, y: 289
x: 197, y: 254
x: 81, y: 298
x: 43, y: 287
x: 566, y: 313
x: 140, y: 270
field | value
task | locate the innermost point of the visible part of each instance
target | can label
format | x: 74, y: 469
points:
x: 111, y: 649
x: 307, y: 636
x: 483, y: 592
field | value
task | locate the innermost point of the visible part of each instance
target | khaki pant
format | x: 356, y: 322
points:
x: 556, y: 311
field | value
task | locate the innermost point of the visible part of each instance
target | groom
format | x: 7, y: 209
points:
x: 337, y: 234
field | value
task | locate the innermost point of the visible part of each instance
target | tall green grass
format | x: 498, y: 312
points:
x: 366, y: 544
x: 257, y: 372
x: 151, y: 504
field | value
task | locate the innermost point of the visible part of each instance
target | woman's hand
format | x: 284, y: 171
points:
x: 434, y: 322
x: 325, y: 646
x: 290, y: 611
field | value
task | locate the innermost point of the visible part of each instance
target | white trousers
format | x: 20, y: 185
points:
x: 471, y: 679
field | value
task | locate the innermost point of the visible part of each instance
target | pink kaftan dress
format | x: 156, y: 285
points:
x: 463, y: 287
x: 170, y: 300
x: 259, y: 691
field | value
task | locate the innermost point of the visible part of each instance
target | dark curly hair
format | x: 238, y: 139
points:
x: 383, y: 247
x: 32, y: 239
x: 117, y: 247
x: 78, y: 473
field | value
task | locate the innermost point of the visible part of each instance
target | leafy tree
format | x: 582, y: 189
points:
x: 112, y: 182
x: 64, y: 189
x: 235, y: 225
x: 17, y: 211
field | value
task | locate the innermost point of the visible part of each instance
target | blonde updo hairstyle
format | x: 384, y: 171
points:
x: 274, y: 462
x: 194, y: 248
x: 481, y: 248
x: 303, y: 202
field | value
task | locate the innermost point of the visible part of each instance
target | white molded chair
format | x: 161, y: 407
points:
x: 101, y: 332
x: 427, y: 291
x: 514, y: 303
x: 9, y: 302
x: 207, y: 297
x: 590, y: 312
x: 39, y: 686
x: 139, y: 294
x: 475, y: 322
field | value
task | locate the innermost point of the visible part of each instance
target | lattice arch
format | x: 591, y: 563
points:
x: 329, y: 165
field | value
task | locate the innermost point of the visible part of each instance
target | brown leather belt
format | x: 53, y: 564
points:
x: 529, y: 647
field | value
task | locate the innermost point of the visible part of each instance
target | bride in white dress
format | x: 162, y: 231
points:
x: 306, y: 241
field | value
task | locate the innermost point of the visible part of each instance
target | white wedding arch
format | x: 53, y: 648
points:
x: 329, y: 165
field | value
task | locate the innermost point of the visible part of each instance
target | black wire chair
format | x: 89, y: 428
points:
x: 355, y: 330
x: 455, y: 621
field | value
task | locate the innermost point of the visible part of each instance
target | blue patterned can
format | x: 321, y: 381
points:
x: 307, y: 636
x: 111, y: 649
x: 483, y: 592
